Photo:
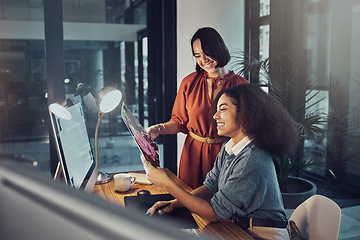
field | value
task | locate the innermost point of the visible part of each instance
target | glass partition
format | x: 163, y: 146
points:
x: 105, y: 44
x: 23, y: 86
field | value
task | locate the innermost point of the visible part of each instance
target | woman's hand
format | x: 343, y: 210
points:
x: 162, y: 207
x: 197, y: 201
x: 155, y: 175
x: 154, y: 131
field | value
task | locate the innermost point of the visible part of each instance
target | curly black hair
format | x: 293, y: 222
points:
x: 263, y: 119
x: 213, y: 46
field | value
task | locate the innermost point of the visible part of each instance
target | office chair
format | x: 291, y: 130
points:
x: 318, y: 218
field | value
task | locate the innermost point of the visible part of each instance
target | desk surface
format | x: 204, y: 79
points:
x: 224, y: 229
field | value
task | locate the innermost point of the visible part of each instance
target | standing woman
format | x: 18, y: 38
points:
x: 242, y: 185
x: 190, y: 114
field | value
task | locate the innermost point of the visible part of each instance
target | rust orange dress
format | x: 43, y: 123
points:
x: 191, y: 111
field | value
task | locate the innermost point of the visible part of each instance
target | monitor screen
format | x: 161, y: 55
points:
x: 74, y: 147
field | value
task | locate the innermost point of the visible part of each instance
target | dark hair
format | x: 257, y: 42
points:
x: 213, y: 46
x: 263, y: 119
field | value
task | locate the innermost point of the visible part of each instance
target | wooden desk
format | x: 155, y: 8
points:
x: 225, y: 229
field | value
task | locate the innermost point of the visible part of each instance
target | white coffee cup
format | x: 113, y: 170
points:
x: 123, y: 181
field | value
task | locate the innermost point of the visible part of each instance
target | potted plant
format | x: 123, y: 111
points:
x: 278, y: 75
x: 294, y: 190
x: 340, y: 124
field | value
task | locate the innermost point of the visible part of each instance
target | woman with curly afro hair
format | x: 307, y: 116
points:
x: 243, y: 184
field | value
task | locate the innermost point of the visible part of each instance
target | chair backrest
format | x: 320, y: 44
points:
x: 318, y: 218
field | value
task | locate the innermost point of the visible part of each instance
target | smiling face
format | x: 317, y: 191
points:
x: 205, y: 62
x: 225, y: 117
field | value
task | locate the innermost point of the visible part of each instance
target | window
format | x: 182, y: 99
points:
x: 93, y: 58
x: 321, y: 61
x: 259, y: 33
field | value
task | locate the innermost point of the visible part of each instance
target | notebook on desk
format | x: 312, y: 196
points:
x: 181, y: 215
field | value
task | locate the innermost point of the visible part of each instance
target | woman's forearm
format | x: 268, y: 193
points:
x: 170, y: 127
x: 203, y: 192
x: 194, y: 201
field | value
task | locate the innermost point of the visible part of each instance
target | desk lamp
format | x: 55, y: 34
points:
x: 60, y: 111
x: 107, y: 99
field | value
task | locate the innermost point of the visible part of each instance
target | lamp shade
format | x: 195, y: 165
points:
x: 107, y: 99
x: 60, y: 111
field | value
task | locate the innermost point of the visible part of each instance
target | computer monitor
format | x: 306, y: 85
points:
x: 33, y: 206
x: 73, y: 145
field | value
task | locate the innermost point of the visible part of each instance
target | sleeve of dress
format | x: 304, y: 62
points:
x: 179, y: 113
x: 241, y: 80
